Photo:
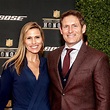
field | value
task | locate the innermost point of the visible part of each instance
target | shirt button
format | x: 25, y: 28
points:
x: 64, y: 79
x: 63, y: 94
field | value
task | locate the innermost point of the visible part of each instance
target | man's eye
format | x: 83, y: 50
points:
x: 37, y: 36
x: 74, y: 25
x: 65, y: 26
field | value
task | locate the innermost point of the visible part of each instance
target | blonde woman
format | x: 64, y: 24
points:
x: 25, y: 75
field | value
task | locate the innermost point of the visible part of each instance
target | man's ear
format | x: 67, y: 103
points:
x: 84, y: 29
x: 60, y: 30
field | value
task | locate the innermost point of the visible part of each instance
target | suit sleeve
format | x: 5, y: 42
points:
x: 5, y: 88
x: 102, y: 83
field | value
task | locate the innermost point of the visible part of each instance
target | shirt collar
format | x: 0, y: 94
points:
x: 76, y: 46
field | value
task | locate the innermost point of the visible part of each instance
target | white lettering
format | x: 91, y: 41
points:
x: 45, y: 25
x: 11, y: 54
x: 7, y: 54
x: 2, y: 54
x: 50, y: 48
x: 9, y: 17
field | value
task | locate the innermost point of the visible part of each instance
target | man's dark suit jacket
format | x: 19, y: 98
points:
x: 88, y: 85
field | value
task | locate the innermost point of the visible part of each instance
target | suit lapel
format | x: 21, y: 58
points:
x: 57, y: 76
x: 79, y: 59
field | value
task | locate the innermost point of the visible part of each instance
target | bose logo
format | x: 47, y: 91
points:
x: 9, y: 17
x: 50, y: 48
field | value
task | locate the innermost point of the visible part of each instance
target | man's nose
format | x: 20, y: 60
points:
x: 70, y: 29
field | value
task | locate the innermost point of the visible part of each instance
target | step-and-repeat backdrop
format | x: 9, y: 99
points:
x: 15, y: 13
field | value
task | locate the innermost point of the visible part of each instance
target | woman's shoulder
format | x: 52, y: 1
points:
x: 9, y: 64
x: 8, y: 70
x: 8, y: 67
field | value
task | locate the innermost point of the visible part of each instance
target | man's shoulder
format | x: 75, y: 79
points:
x: 95, y: 52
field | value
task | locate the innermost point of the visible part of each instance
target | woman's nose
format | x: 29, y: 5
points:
x: 33, y: 41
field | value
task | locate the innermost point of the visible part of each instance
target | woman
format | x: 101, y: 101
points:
x: 25, y: 76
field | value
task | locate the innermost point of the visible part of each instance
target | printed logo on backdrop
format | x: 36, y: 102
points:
x: 56, y: 14
x: 13, y: 18
x: 9, y: 42
x: 6, y: 53
x: 52, y: 23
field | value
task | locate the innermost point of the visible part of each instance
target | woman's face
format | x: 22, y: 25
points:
x: 33, y: 41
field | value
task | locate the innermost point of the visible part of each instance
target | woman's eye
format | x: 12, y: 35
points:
x: 28, y: 37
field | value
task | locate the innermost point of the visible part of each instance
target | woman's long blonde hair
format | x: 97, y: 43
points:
x: 18, y: 58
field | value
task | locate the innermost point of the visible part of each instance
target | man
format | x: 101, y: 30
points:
x: 86, y: 85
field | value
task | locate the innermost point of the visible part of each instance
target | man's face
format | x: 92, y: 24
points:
x: 72, y: 30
